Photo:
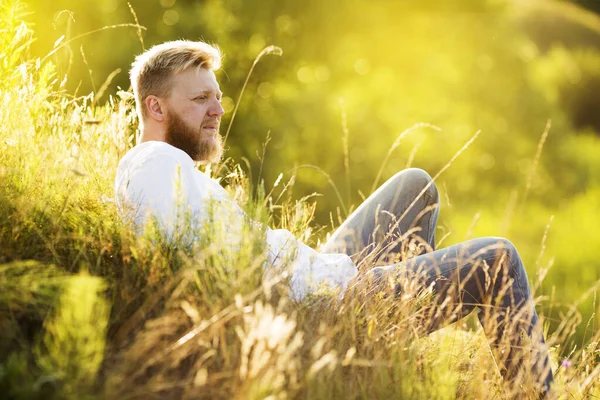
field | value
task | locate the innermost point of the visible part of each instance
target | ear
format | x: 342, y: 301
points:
x: 156, y: 108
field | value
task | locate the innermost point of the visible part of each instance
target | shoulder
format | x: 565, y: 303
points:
x: 153, y: 160
x: 152, y: 166
x: 154, y: 153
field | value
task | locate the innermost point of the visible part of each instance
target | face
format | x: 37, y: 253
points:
x: 194, y: 113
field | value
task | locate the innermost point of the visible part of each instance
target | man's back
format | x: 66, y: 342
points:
x: 157, y: 180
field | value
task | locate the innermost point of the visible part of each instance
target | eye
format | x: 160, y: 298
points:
x: 200, y: 98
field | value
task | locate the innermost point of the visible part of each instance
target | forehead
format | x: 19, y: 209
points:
x: 194, y: 80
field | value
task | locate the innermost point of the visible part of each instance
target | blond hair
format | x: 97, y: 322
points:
x: 151, y: 71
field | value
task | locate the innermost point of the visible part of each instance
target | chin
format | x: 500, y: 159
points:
x: 209, y: 152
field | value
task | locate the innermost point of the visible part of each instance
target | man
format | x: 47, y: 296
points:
x: 178, y: 104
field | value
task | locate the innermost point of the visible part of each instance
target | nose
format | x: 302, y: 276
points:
x: 216, y: 109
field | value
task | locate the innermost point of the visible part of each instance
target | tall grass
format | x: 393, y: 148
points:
x: 90, y: 310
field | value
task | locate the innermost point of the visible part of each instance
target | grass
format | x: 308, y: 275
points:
x: 90, y: 310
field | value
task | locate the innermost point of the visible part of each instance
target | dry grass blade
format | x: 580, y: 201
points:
x: 139, y: 30
x: 274, y: 50
x: 536, y: 160
x: 441, y: 171
x: 224, y: 315
x: 329, y: 180
x: 395, y: 145
x: 104, y: 28
x: 105, y: 85
x: 345, y: 137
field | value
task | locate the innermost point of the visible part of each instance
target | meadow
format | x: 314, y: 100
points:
x: 90, y: 310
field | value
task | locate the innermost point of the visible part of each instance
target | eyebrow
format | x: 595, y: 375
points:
x: 208, y: 91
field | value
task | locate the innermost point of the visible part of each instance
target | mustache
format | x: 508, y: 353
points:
x: 215, y: 122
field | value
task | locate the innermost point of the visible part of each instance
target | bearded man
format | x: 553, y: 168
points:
x: 178, y: 102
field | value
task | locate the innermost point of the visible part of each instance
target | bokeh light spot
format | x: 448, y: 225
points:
x: 487, y: 161
x: 305, y: 75
x: 286, y: 24
x: 170, y: 17
x: 227, y: 103
x: 322, y: 73
x: 265, y: 90
x: 167, y: 3
x: 362, y: 66
x: 283, y: 23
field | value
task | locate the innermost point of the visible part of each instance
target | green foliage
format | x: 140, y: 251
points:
x: 28, y: 284
x: 73, y: 346
x: 15, y: 40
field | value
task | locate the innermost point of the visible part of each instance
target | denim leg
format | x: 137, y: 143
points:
x: 403, y: 211
x: 487, y: 274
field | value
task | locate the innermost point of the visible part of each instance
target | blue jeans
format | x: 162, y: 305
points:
x: 395, y: 227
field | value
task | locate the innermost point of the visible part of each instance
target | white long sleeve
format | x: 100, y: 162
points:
x: 155, y: 179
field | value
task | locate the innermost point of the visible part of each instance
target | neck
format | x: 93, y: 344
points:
x: 151, y: 132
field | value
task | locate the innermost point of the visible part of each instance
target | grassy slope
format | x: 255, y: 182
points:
x: 89, y: 310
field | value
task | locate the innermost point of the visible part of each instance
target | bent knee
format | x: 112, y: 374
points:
x: 503, y: 244
x: 415, y: 175
x: 420, y: 178
x: 506, y: 248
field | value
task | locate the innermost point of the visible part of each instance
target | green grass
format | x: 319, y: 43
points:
x: 89, y: 310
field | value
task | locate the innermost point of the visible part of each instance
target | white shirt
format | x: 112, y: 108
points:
x: 158, y: 180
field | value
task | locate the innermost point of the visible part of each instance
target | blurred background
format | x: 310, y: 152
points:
x: 355, y: 74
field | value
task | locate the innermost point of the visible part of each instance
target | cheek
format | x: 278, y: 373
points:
x: 187, y: 118
x: 194, y: 115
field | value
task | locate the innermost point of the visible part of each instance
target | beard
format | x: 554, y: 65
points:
x: 199, y: 146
